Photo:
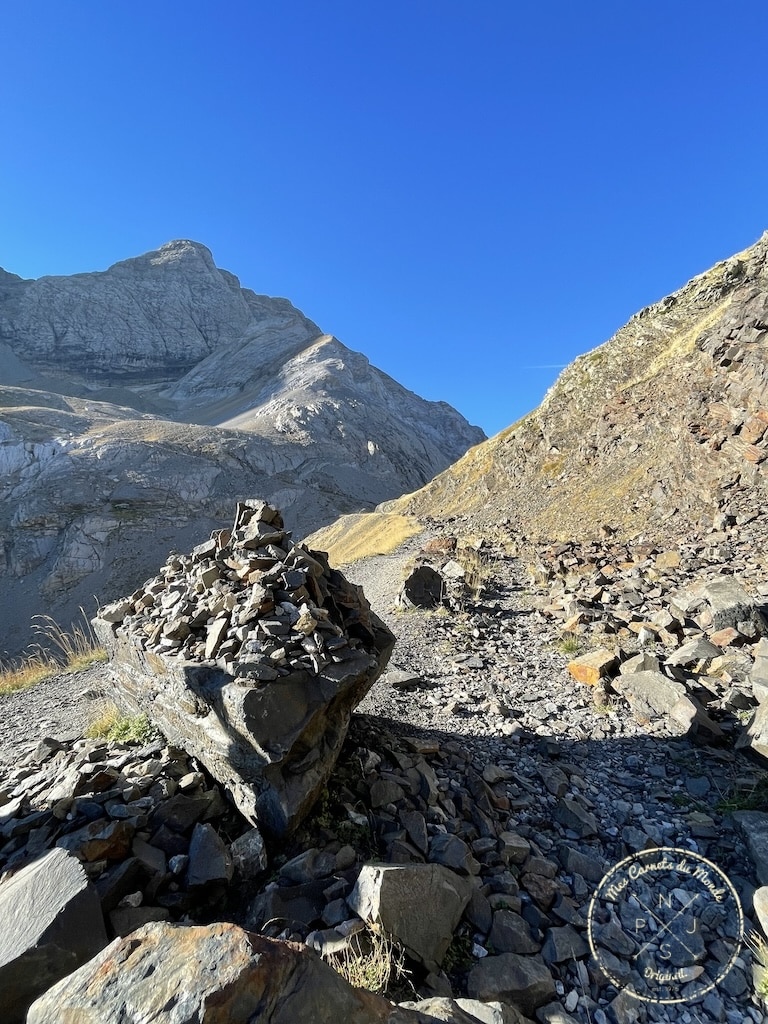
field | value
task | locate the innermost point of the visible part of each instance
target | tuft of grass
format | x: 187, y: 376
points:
x: 372, y: 961
x: 570, y: 644
x: 759, y: 949
x: 57, y: 651
x: 753, y: 798
x: 77, y: 649
x: 112, y: 725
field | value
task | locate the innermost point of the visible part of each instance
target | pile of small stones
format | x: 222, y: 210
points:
x: 524, y: 823
x: 248, y: 601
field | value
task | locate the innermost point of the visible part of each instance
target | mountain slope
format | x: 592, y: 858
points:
x: 139, y: 403
x: 654, y: 432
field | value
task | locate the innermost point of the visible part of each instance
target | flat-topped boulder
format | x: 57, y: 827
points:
x: 250, y: 653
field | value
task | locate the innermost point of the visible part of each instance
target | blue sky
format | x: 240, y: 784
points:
x: 471, y: 194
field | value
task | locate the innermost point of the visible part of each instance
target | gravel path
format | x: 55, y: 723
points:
x: 493, y: 680
x: 61, y: 706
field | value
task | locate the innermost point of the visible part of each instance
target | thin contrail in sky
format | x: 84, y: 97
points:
x: 546, y: 366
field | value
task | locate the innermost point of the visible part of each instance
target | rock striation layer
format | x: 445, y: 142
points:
x: 250, y: 653
x: 214, y: 975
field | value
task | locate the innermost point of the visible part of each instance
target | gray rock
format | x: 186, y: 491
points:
x: 650, y: 693
x: 573, y: 816
x: 416, y: 827
x: 730, y: 603
x: 512, y: 934
x: 754, y: 825
x: 452, y: 852
x: 466, y: 1011
x: 249, y: 855
x: 210, y: 975
x: 754, y: 736
x: 209, y: 858
x: 401, y: 679
x: 424, y: 587
x: 309, y: 866
x: 642, y: 662
x: 695, y: 651
x: 522, y: 981
x: 52, y: 924
x: 125, y: 920
x: 389, y: 893
x: 272, y: 744
x: 553, y: 1013
x: 579, y: 863
x: 561, y: 944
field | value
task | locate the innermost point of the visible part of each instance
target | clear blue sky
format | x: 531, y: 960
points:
x: 465, y: 191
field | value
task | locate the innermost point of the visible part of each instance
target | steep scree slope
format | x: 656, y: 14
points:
x: 655, y: 431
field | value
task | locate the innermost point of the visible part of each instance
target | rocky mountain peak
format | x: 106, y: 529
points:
x: 181, y: 255
x: 140, y: 401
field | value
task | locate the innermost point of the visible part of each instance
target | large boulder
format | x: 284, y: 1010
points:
x: 52, y: 923
x: 249, y: 653
x: 217, y: 974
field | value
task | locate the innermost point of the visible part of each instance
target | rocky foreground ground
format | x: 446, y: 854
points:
x: 480, y: 753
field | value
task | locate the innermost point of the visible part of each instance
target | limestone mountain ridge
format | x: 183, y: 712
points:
x: 139, y: 402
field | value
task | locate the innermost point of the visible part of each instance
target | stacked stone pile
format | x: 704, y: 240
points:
x: 248, y: 601
x: 250, y: 654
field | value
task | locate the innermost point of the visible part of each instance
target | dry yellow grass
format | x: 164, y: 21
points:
x: 58, y: 651
x: 371, y: 961
x: 363, y: 534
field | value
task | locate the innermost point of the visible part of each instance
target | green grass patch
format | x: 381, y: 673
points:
x: 115, y: 727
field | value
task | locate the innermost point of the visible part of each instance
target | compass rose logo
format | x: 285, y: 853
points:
x: 666, y: 925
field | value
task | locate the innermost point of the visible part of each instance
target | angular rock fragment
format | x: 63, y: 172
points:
x: 277, y: 649
x: 730, y: 603
x: 466, y: 1011
x: 510, y: 978
x: 388, y: 895
x: 52, y: 923
x: 590, y: 668
x: 210, y: 975
x: 423, y: 588
x: 650, y: 693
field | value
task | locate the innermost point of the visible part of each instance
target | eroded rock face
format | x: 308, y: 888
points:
x: 219, y: 974
x: 250, y: 653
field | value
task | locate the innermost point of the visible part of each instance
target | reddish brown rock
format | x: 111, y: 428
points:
x: 218, y: 974
x: 590, y: 668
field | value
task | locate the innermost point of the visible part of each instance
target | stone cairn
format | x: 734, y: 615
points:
x: 250, y: 654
